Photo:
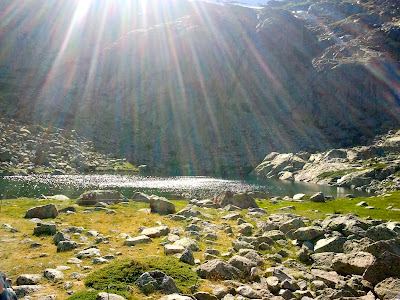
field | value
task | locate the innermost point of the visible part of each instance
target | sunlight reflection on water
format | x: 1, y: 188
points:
x: 195, y: 186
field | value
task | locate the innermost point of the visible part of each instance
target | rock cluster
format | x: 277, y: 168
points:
x: 370, y: 168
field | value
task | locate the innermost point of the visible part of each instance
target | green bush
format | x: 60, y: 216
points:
x: 125, y: 272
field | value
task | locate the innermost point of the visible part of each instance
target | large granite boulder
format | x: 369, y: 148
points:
x: 45, y: 228
x: 387, y: 265
x: 90, y: 198
x: 42, y: 212
x: 161, y: 205
x: 353, y: 263
x: 141, y: 197
x: 241, y: 200
x: 388, y: 289
x: 218, y: 269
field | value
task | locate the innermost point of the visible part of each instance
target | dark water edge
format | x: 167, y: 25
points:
x: 34, y: 186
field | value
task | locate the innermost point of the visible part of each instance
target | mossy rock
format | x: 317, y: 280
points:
x: 125, y: 272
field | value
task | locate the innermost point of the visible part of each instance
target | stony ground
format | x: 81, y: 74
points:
x: 32, y: 149
x: 273, y: 249
x: 372, y: 168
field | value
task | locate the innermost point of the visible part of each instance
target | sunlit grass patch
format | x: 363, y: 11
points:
x: 315, y: 210
x: 125, y: 272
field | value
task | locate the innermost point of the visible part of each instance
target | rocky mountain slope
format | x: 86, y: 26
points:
x: 195, y: 88
x: 374, y: 168
x: 32, y: 149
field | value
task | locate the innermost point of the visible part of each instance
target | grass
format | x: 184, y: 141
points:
x: 118, y: 167
x: 18, y: 258
x: 314, y: 210
x: 125, y: 272
x: 338, y: 174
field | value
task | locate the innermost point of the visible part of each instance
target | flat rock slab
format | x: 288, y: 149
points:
x: 29, y: 279
x: 53, y: 274
x: 353, y: 263
x: 330, y: 278
x: 88, y: 253
x: 218, y: 269
x: 308, y: 233
x: 388, y: 289
x: 173, y: 249
x: 141, y: 239
x: 387, y: 265
x: 155, y: 232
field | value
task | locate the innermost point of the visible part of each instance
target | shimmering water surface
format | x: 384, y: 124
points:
x: 173, y: 187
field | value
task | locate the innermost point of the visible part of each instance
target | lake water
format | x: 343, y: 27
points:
x: 172, y: 187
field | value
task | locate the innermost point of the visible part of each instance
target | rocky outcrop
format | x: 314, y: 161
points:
x: 370, y: 168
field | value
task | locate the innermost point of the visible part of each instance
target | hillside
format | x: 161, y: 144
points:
x: 197, y: 88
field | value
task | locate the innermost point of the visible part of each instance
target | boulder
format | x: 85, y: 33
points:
x: 29, y: 279
x: 61, y: 236
x: 108, y: 296
x: 329, y: 278
x: 292, y: 224
x: 242, y: 263
x: 377, y: 248
x: 88, y: 253
x: 173, y: 249
x: 387, y: 265
x: 218, y: 269
x: 187, y: 257
x: 156, y: 280
x: 42, y: 212
x: 53, y: 275
x: 333, y: 244
x: 317, y: 197
x: 241, y: 200
x: 90, y: 198
x: 161, y: 205
x: 353, y: 263
x: 388, y: 289
x: 45, y: 228
x: 204, y: 296
x: 24, y: 290
x: 141, y: 197
x: 187, y: 243
x: 299, y: 196
x: 308, y: 233
x: 66, y: 246
x: 381, y: 232
x: 155, y: 232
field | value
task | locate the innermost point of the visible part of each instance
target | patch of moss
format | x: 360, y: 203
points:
x: 337, y: 174
x: 125, y: 272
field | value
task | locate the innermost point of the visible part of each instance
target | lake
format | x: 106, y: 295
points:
x: 171, y: 187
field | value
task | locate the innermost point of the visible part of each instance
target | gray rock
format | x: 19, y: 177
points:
x: 317, y: 197
x: 242, y: 263
x: 377, y: 248
x: 241, y: 200
x: 232, y: 216
x: 161, y: 206
x: 173, y: 249
x: 248, y: 292
x: 109, y: 296
x: 245, y: 229
x: 66, y: 246
x: 299, y: 196
x: 329, y: 278
x: 42, y: 212
x: 292, y: 224
x: 53, y: 275
x: 218, y: 269
x: 387, y: 265
x: 353, y: 263
x: 90, y: 198
x: 388, y: 289
x: 187, y: 243
x: 275, y: 235
x: 381, y: 232
x: 187, y: 257
x: 45, y: 228
x: 204, y: 296
x: 141, y: 239
x: 308, y: 233
x: 100, y: 261
x: 155, y: 232
x: 273, y: 284
x: 156, y: 281
x: 24, y: 290
x: 88, y: 253
x: 141, y: 197
x: 29, y: 279
x: 61, y: 236
x: 333, y: 244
